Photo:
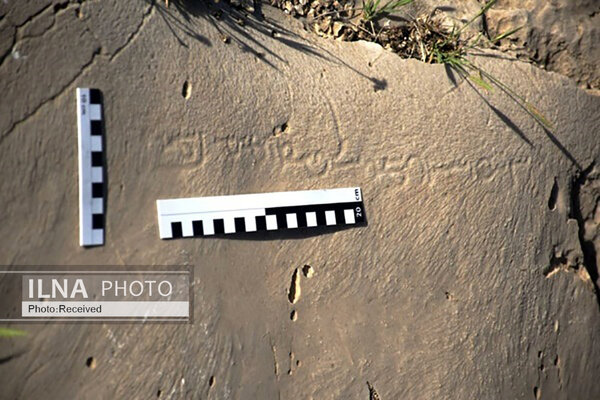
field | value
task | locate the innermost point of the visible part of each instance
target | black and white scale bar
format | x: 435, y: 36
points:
x: 205, y: 216
x: 91, y: 167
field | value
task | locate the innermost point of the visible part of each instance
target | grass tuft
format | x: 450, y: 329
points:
x: 425, y: 38
x: 372, y: 11
x: 452, y: 50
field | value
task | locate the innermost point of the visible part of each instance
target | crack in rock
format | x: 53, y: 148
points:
x: 135, y: 33
x: 57, y: 9
x: 17, y: 28
x: 84, y: 68
x: 585, y: 204
x: 10, y: 357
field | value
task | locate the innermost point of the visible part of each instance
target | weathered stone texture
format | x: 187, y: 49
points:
x: 468, y: 282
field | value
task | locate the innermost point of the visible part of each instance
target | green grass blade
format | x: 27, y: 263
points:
x: 475, y: 42
x: 8, y: 332
x: 501, y: 85
x: 486, y: 7
x: 481, y: 83
x: 506, y: 34
x: 530, y: 108
x: 371, y: 8
x: 400, y: 3
x: 539, y: 116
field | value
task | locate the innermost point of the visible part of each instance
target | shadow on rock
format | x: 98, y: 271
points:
x: 242, y: 23
x: 450, y: 72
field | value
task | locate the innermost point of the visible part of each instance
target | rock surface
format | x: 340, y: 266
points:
x: 470, y: 280
x: 560, y: 35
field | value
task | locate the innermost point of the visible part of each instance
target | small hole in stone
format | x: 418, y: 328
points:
x: 293, y: 315
x: 308, y: 271
x: 158, y: 393
x: 294, y: 291
x: 536, y: 392
x: 211, y: 381
x: 186, y: 91
x: 280, y: 129
x: 553, y: 196
x: 90, y: 362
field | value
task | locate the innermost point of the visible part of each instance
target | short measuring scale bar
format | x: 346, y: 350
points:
x: 206, y: 216
x: 91, y: 167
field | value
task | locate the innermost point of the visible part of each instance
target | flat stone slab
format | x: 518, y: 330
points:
x: 469, y: 280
